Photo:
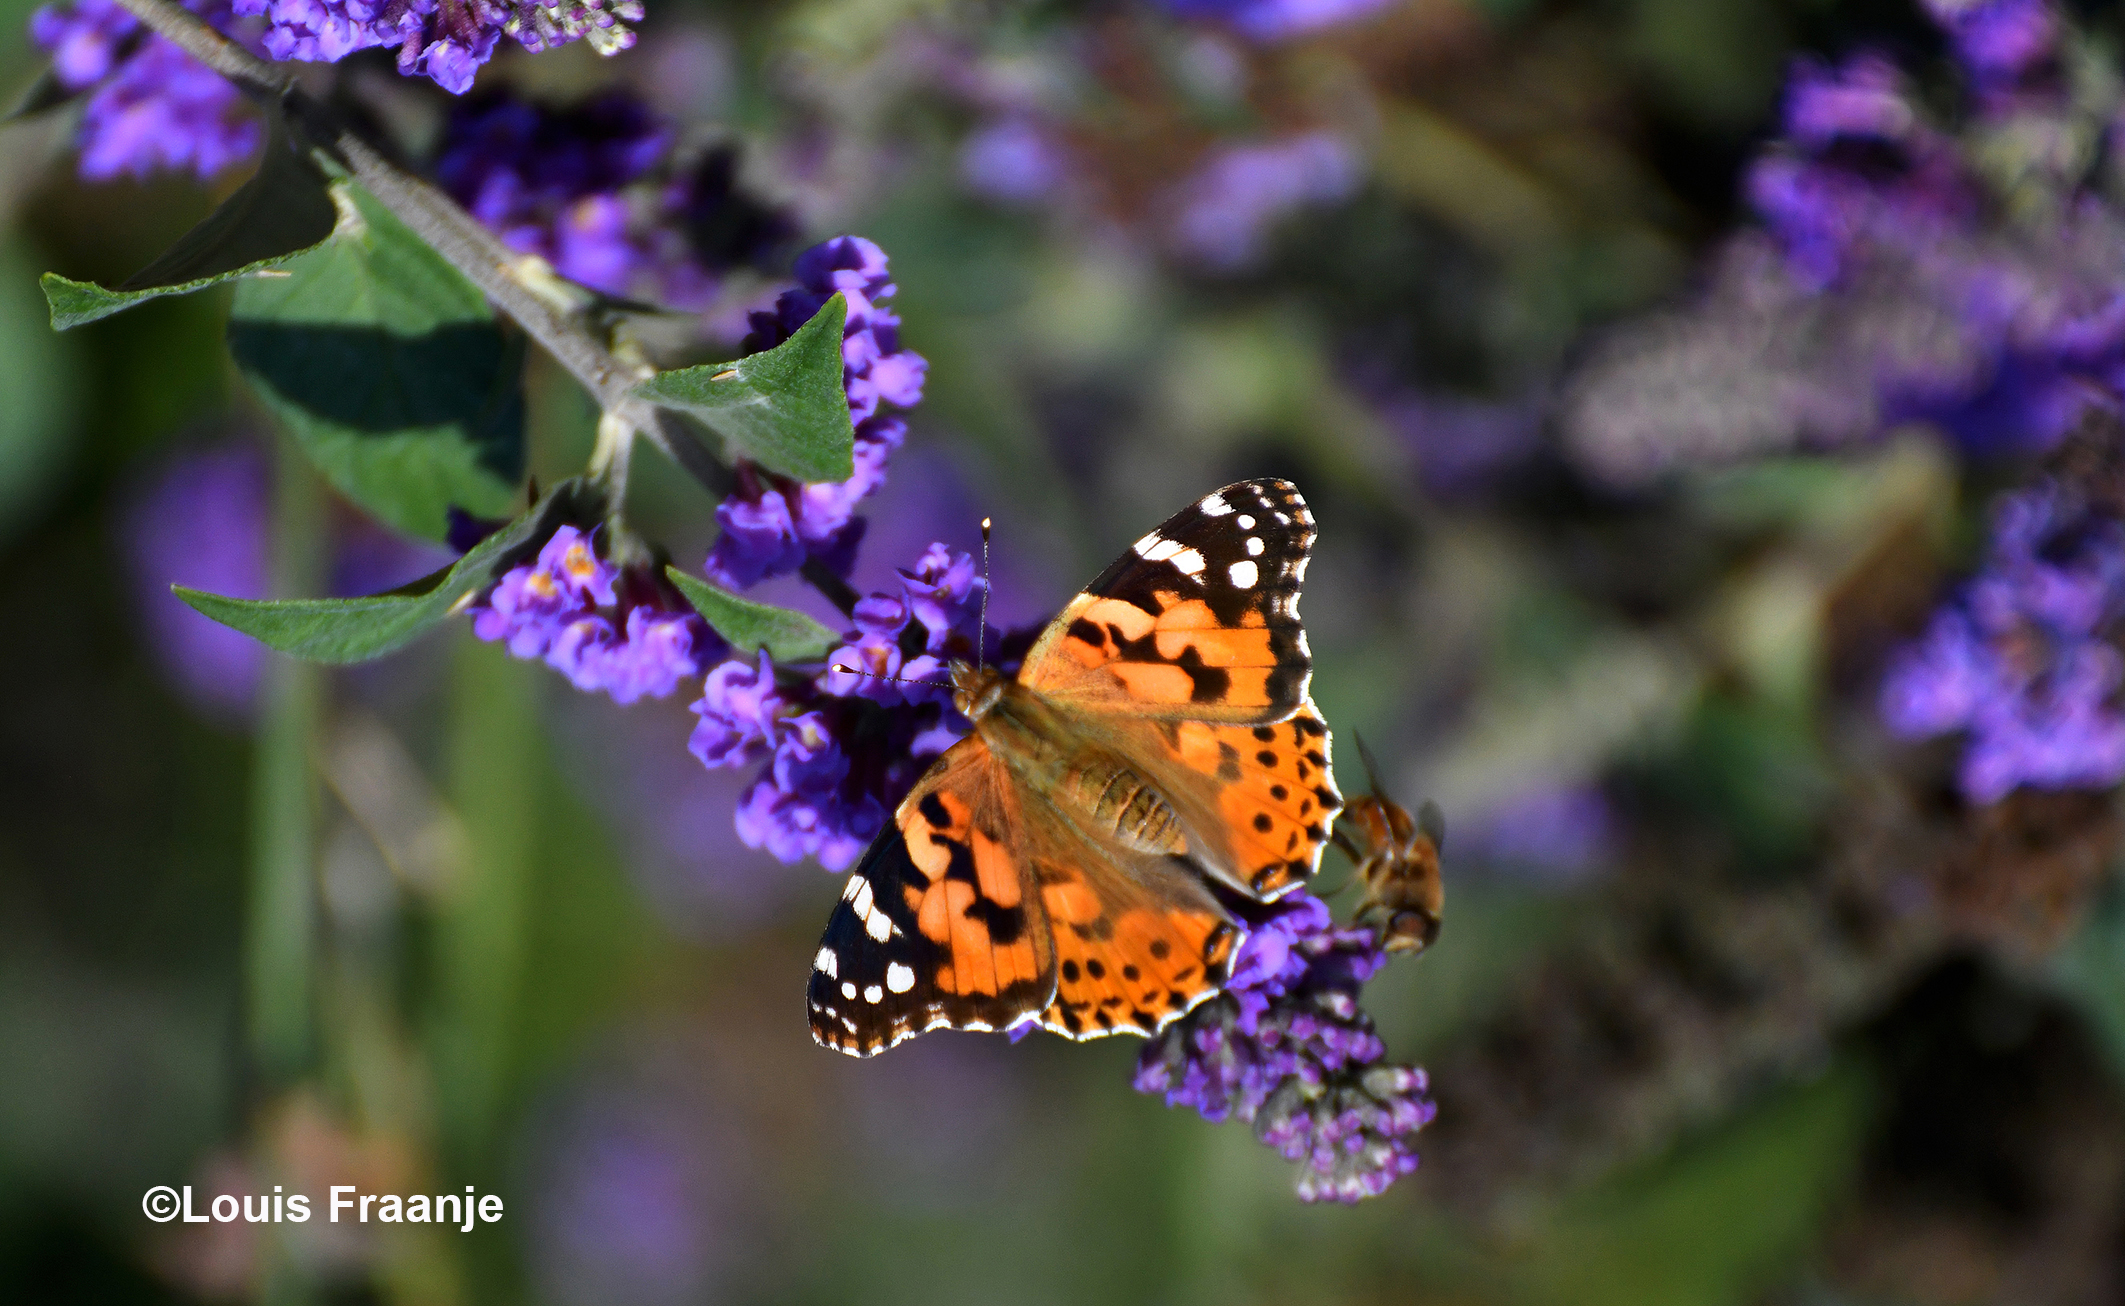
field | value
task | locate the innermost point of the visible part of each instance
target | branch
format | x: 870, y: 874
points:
x: 460, y: 238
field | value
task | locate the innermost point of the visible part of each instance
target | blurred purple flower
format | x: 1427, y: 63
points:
x: 622, y: 632
x: 629, y: 1207
x: 203, y: 521
x: 2024, y: 659
x: 1464, y: 446
x: 1226, y: 209
x: 840, y: 747
x: 1275, y: 20
x: 151, y: 107
x: 1013, y: 161
x: 1286, y: 1047
x: 1555, y: 832
x: 1973, y: 280
x: 773, y: 524
x: 1999, y: 42
x: 446, y: 40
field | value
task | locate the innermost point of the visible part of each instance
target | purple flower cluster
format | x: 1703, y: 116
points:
x: 2002, y: 44
x: 1227, y: 208
x: 843, y: 746
x: 772, y: 525
x: 1286, y: 1048
x: 151, y: 107
x: 580, y: 187
x: 1275, y: 20
x: 2025, y: 660
x: 1969, y: 278
x: 446, y: 40
x: 616, y: 630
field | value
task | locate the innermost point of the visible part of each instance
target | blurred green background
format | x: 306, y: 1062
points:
x: 1688, y: 1048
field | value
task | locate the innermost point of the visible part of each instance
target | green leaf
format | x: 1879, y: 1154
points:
x: 46, y: 93
x: 389, y: 369
x: 784, y: 408
x: 357, y: 630
x: 284, y: 209
x: 787, y: 636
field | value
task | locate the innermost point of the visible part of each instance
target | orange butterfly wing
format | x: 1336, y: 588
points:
x: 935, y: 927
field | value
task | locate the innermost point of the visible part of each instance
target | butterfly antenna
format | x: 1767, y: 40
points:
x: 880, y: 675
x: 981, y: 636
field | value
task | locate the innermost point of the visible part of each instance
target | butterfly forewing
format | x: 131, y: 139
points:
x: 935, y: 928
x: 1198, y: 620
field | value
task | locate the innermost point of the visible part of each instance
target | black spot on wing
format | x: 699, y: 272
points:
x: 1206, y: 684
x: 933, y: 810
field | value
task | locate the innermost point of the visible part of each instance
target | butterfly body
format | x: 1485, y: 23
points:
x: 1064, y: 862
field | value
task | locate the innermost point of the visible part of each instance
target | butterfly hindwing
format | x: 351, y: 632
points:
x: 1138, y: 939
x: 1258, y: 802
x: 1198, y: 620
x: 935, y: 927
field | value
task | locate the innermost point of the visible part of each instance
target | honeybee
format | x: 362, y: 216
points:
x: 1397, y: 860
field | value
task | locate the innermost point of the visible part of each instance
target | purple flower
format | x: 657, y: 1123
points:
x: 1555, y: 832
x: 1275, y: 20
x: 1999, y: 42
x: 1464, y: 447
x: 446, y: 40
x: 619, y: 632
x: 153, y: 109
x: 592, y: 190
x: 1225, y: 211
x: 842, y: 747
x: 773, y: 524
x: 204, y: 521
x: 637, y: 1195
x: 2024, y: 660
x: 1903, y: 272
x: 1012, y: 161
x: 1286, y: 1047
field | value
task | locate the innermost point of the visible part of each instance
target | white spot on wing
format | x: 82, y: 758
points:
x: 862, y: 900
x: 827, y: 963
x: 878, y: 925
x: 1215, y: 505
x: 1189, y: 561
x: 848, y: 990
x: 1144, y: 546
x: 1242, y: 574
x: 899, y: 978
x: 855, y: 883
x: 1254, y: 546
x: 872, y: 993
x: 1246, y: 523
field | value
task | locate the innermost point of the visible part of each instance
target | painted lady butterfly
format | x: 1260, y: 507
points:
x: 1063, y: 862
x: 1397, y: 861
